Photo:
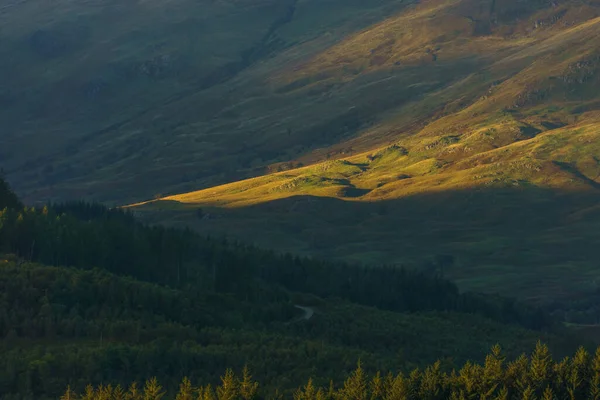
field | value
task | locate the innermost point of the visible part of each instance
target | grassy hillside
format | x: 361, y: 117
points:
x: 522, y: 218
x: 100, y: 96
x: 125, y: 101
x: 487, y: 123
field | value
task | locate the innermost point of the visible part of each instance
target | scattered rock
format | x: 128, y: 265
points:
x: 582, y: 71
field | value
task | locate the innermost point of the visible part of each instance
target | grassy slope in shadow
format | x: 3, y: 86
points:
x: 527, y: 241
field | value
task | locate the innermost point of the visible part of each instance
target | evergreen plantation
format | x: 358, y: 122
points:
x: 85, y: 236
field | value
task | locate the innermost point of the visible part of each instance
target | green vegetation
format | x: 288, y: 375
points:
x: 119, y: 301
x: 85, y: 236
x: 8, y: 199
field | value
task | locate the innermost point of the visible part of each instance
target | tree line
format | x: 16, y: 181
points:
x: 534, y: 377
x: 85, y: 235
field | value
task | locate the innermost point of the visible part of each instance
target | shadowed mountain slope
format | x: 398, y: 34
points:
x: 117, y: 100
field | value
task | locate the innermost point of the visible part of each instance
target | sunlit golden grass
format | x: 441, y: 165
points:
x: 389, y: 173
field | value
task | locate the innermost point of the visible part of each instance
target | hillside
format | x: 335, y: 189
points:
x: 468, y: 129
x: 113, y: 100
x: 121, y: 102
x: 515, y: 224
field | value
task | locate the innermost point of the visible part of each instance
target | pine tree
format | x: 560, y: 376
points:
x: 572, y: 378
x: 502, y: 394
x: 574, y: 381
x: 228, y: 390
x: 133, y: 393
x: 560, y: 370
x: 355, y: 387
x: 388, y: 383
x: 540, y: 367
x: 69, y: 394
x: 119, y: 393
x: 377, y: 387
x: 153, y: 390
x: 307, y: 392
x: 248, y: 388
x: 458, y: 395
x: 528, y: 394
x: 414, y: 383
x: 89, y: 394
x: 468, y: 378
x: 595, y: 377
x: 431, y: 382
x: 104, y: 392
x: 397, y: 389
x: 331, y: 392
x: 578, y: 372
x: 518, y: 372
x: 493, y: 373
x: 582, y: 362
x: 208, y: 393
x: 548, y: 394
x: 186, y: 391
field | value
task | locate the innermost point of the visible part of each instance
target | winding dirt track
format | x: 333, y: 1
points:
x: 308, y: 312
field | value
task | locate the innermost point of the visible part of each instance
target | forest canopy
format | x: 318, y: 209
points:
x: 90, y: 297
